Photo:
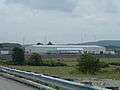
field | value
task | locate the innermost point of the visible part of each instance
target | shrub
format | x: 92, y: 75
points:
x: 35, y: 60
x: 3, y: 62
x: 117, y: 70
x: 115, y: 63
x: 6, y: 62
x: 88, y: 64
x: 103, y: 65
x: 53, y: 63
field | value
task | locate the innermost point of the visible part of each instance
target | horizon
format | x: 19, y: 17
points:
x: 55, y: 43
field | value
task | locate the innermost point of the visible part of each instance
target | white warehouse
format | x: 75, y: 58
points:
x: 44, y: 49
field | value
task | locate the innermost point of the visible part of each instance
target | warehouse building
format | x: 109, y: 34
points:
x: 62, y: 49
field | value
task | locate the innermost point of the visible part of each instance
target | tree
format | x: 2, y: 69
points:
x: 1, y: 46
x: 49, y: 43
x: 35, y: 60
x: 39, y: 43
x: 18, y: 57
x: 88, y: 64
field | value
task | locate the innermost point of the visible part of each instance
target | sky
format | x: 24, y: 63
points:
x: 59, y: 21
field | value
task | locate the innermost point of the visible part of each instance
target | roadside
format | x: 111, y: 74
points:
x: 34, y: 85
x: 104, y: 78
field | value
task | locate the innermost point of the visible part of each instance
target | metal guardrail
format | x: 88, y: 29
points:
x: 67, y: 85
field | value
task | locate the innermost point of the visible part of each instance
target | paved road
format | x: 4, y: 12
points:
x: 6, y: 84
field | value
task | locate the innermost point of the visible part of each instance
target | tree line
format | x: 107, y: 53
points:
x: 18, y: 58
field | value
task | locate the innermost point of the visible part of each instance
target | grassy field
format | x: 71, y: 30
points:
x: 109, y: 60
x: 70, y: 71
x: 68, y: 61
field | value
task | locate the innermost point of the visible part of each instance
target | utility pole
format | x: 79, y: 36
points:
x: 23, y: 40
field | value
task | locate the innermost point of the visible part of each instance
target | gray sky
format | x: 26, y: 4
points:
x: 60, y: 21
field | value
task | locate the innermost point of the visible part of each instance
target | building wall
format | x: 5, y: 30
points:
x: 96, y: 50
x: 4, y: 52
x: 41, y: 49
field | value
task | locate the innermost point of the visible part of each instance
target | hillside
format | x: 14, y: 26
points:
x: 105, y: 43
x: 9, y: 46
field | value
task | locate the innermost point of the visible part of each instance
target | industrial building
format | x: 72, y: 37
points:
x: 53, y: 49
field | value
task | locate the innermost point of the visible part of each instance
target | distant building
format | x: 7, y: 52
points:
x: 5, y: 55
x: 52, y: 49
x: 110, y: 52
x: 4, y: 52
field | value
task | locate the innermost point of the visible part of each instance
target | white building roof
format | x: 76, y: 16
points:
x: 69, y: 49
x: 68, y: 46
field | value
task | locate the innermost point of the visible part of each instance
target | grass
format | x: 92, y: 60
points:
x: 70, y: 72
x: 67, y: 61
x: 63, y: 72
x: 110, y: 60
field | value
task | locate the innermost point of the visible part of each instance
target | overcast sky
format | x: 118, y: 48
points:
x: 59, y: 21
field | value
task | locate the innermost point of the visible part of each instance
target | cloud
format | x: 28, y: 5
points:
x: 61, y: 5
x: 59, y: 20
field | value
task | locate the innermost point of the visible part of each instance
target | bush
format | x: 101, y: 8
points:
x: 6, y: 62
x: 53, y: 63
x: 3, y: 62
x: 35, y: 60
x: 103, y: 65
x: 115, y: 63
x: 117, y: 70
x: 88, y: 64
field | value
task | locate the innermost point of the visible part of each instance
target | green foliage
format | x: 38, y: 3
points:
x: 3, y: 62
x: 53, y: 63
x: 115, y: 63
x: 103, y: 64
x: 35, y: 60
x: 18, y: 57
x: 117, y: 70
x: 70, y: 72
x: 88, y: 64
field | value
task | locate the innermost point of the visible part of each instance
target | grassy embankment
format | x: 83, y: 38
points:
x: 70, y: 72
